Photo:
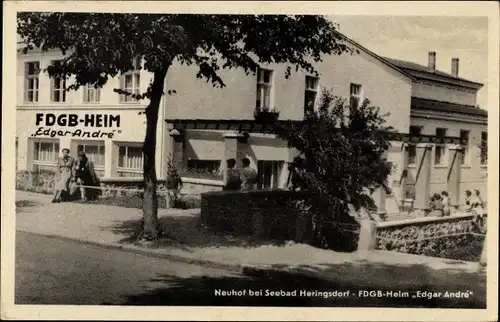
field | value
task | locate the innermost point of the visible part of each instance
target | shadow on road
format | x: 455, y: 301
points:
x: 202, y: 290
x: 185, y: 231
x: 22, y: 204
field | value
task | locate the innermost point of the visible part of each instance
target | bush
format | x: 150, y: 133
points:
x: 40, y: 181
x: 341, y: 162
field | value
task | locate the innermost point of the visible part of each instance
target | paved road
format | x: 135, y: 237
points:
x: 52, y: 271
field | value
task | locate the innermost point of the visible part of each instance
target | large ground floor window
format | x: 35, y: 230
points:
x: 130, y: 160
x: 269, y: 174
x: 203, y: 169
x: 45, y: 151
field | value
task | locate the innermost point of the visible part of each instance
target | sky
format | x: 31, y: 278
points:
x: 410, y: 38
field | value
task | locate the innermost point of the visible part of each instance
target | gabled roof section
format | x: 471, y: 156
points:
x: 425, y: 73
x: 426, y: 104
x: 377, y: 57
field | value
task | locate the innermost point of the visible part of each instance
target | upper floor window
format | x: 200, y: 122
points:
x: 440, y: 148
x: 264, y: 89
x: 91, y: 94
x: 131, y: 82
x: 311, y: 93
x: 356, y: 95
x: 464, y: 136
x: 31, y: 81
x: 58, y: 89
x: 46, y: 151
x: 484, y: 148
x: 415, y: 131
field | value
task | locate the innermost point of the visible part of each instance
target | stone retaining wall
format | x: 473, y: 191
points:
x: 432, y: 236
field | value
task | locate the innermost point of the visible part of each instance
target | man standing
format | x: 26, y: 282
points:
x: 248, y: 176
x: 233, y: 180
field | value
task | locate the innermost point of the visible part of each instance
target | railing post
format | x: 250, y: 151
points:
x: 367, y: 235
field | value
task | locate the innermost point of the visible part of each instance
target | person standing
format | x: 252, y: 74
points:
x: 233, y: 180
x: 248, y: 176
x: 468, y: 196
x: 84, y: 174
x: 174, y: 186
x: 436, y: 206
x: 63, y: 175
x: 445, y: 200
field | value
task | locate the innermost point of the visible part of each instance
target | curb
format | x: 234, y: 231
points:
x: 142, y: 251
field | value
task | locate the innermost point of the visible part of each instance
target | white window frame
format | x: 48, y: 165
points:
x: 127, y: 145
x: 96, y: 94
x: 56, y: 151
x: 314, y: 89
x: 35, y: 77
x: 135, y: 75
x: 359, y: 96
x: 99, y: 144
x: 442, y: 147
x: 261, y: 90
x: 466, y: 160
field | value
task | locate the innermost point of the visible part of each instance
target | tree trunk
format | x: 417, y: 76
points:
x: 151, y: 227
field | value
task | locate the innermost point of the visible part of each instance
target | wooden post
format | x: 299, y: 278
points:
x: 423, y: 177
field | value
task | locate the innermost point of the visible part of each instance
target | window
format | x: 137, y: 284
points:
x: 208, y: 169
x: 94, y: 152
x: 264, y: 87
x: 484, y: 148
x: 131, y: 82
x: 269, y: 174
x: 91, y: 94
x: 31, y: 82
x: 464, y: 136
x: 440, y: 148
x: 130, y: 157
x: 311, y: 93
x: 46, y: 151
x: 415, y: 131
x: 356, y: 95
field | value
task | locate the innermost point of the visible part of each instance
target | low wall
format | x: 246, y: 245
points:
x: 431, y: 236
x: 267, y: 214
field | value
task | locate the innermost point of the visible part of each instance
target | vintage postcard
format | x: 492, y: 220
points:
x: 250, y: 160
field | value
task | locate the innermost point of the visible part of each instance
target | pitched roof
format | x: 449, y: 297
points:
x: 426, y: 104
x: 424, y: 72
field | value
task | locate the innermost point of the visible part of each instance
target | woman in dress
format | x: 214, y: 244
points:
x: 63, y: 175
x: 436, y: 206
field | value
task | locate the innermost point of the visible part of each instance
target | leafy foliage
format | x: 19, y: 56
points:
x: 102, y: 45
x: 99, y: 46
x: 341, y: 158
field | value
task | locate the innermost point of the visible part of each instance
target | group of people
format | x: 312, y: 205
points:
x: 73, y: 175
x: 244, y: 179
x: 440, y: 203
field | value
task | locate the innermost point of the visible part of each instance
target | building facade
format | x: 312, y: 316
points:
x: 201, y: 126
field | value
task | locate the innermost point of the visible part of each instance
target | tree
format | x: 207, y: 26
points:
x: 341, y: 161
x: 98, y: 46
